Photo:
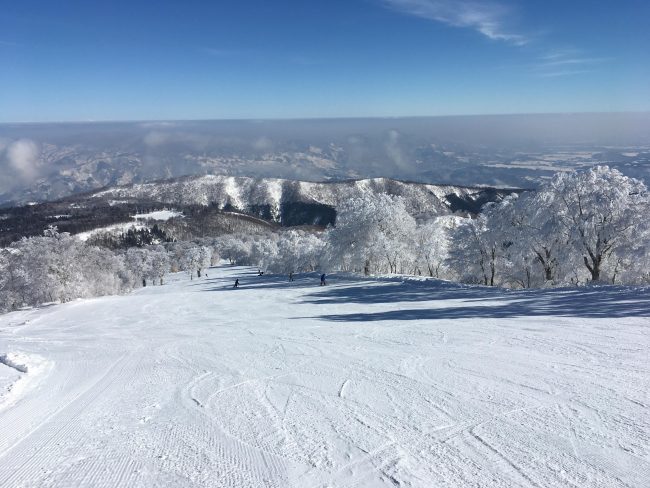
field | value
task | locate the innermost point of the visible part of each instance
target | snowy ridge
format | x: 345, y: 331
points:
x: 243, y: 193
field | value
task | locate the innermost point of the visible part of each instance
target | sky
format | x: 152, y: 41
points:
x: 166, y: 60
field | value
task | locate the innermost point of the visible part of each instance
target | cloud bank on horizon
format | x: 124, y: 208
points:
x: 49, y: 161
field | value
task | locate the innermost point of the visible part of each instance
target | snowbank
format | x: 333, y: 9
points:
x: 28, y: 369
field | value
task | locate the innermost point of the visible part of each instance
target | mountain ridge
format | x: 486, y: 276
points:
x: 213, y: 203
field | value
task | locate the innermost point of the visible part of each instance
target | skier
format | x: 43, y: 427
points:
x: 260, y: 272
x: 236, y: 283
x: 322, y: 280
x: 291, y: 276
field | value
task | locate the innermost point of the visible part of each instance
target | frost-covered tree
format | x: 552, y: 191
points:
x: 138, y: 262
x: 432, y: 244
x: 600, y: 212
x: 205, y: 259
x: 297, y: 251
x: 58, y: 267
x: 103, y: 272
x: 529, y: 258
x: 54, y: 266
x: 159, y: 263
x: 537, y: 239
x: 264, y: 252
x: 478, y: 250
x: 373, y: 233
x: 194, y: 259
x: 233, y: 248
x: 14, y: 279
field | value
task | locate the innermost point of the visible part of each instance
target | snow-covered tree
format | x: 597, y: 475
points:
x: 233, y: 248
x: 58, y: 267
x: 159, y: 263
x: 264, y: 252
x: 297, y: 251
x: 600, y: 212
x: 138, y: 262
x: 478, y: 251
x: 194, y: 259
x: 205, y: 259
x: 432, y: 244
x: 373, y: 233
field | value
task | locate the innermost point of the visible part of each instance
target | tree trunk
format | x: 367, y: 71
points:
x: 548, y: 273
x: 594, y: 266
x: 492, y: 267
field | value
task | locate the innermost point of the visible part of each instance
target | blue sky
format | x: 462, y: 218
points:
x: 136, y: 60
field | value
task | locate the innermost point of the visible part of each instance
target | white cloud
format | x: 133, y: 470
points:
x: 573, y: 62
x: 486, y: 18
x: 23, y: 157
x: 566, y: 62
x: 566, y: 72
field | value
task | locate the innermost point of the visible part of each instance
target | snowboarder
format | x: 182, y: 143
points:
x: 291, y: 276
x: 236, y: 283
x: 322, y: 280
x: 260, y: 272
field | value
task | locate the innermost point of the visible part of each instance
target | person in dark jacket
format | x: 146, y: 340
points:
x: 236, y: 283
x: 322, y: 280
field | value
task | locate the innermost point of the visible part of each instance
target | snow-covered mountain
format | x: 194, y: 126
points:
x: 279, y: 199
x: 218, y: 198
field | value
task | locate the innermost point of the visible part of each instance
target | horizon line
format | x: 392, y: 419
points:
x: 313, y: 118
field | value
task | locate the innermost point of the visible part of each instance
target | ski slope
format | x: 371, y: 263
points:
x: 360, y: 383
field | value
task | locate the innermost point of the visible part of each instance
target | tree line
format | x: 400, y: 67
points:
x: 579, y: 228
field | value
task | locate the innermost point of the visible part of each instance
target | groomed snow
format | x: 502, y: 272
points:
x: 363, y: 383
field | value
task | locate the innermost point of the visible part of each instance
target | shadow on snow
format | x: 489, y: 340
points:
x: 473, y: 301
x: 250, y: 280
x: 484, y: 302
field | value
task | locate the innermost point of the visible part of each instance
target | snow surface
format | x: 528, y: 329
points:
x: 110, y: 229
x: 32, y: 368
x: 161, y: 215
x: 363, y: 383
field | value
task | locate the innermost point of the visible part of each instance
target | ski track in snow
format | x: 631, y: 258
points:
x: 196, y: 384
